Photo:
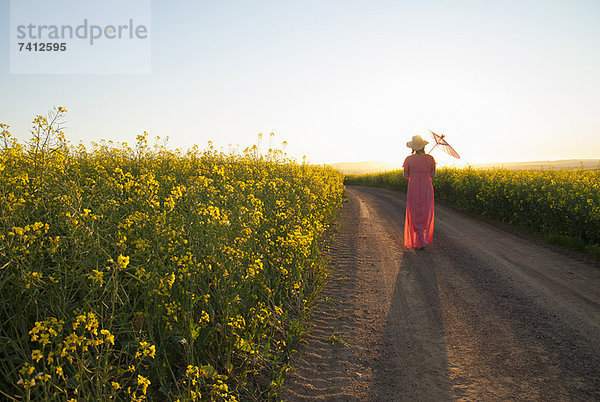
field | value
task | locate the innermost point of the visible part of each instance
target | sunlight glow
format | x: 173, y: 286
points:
x: 347, y: 81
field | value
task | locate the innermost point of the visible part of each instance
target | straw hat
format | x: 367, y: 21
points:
x: 417, y: 143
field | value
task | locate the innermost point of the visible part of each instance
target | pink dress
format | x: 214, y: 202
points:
x: 418, y: 225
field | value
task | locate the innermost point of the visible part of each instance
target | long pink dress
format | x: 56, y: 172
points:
x: 418, y: 225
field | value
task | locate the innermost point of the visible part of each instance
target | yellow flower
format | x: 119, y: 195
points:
x: 44, y: 377
x: 110, y: 338
x: 92, y: 323
x: 143, y: 382
x: 97, y: 276
x: 78, y: 320
x: 204, y: 317
x: 192, y: 371
x: 146, y: 349
x: 36, y: 355
x: 122, y: 261
x: 44, y: 339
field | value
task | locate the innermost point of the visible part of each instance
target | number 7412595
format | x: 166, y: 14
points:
x: 42, y: 47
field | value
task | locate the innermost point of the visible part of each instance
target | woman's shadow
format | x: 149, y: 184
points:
x: 413, y: 364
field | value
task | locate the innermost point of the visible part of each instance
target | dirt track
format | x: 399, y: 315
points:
x: 482, y: 314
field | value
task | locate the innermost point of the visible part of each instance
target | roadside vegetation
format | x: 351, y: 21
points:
x: 129, y: 273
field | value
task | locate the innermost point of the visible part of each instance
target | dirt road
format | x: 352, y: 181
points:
x: 482, y: 314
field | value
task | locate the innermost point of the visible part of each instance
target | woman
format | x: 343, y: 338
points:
x: 419, y: 169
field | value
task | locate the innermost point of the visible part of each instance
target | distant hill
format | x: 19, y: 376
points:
x: 365, y: 167
x: 381, y: 166
x: 587, y: 164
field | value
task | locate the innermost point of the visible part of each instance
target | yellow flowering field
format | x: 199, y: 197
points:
x: 129, y: 273
x: 563, y: 205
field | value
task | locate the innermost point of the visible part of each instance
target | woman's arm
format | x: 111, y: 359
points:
x: 406, y: 170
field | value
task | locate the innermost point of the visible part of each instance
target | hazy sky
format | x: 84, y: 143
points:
x: 344, y: 80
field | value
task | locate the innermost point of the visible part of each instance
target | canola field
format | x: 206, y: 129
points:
x: 142, y: 273
x: 563, y: 205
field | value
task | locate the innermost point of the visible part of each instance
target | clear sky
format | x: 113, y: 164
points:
x: 344, y: 80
